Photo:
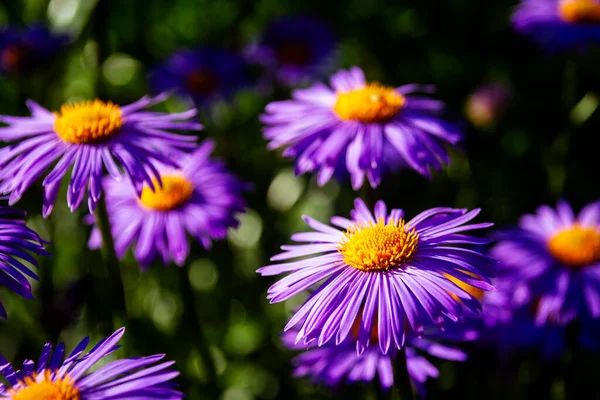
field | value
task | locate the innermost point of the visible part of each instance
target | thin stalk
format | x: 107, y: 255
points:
x: 111, y: 262
x: 402, y: 387
x: 193, y: 318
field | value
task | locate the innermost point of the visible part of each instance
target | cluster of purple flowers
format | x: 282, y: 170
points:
x: 379, y: 283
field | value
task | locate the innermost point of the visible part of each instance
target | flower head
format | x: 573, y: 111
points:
x: 486, y: 105
x: 296, y: 50
x: 89, y: 137
x: 24, y: 49
x: 559, y: 24
x: 200, y: 199
x: 18, y: 241
x: 359, y: 128
x: 336, y: 364
x: 384, y: 266
x: 58, y: 378
x: 553, y: 258
x: 205, y: 74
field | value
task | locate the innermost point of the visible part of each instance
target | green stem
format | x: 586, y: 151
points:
x: 192, y: 317
x: 111, y: 262
x: 402, y: 387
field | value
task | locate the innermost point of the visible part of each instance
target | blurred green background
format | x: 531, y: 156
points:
x: 542, y: 149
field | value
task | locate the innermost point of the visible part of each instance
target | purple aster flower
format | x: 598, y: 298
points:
x: 24, y: 49
x: 57, y: 377
x: 384, y: 265
x: 200, y: 199
x: 205, y: 74
x: 553, y: 258
x: 335, y: 364
x: 18, y: 241
x: 359, y: 128
x: 486, y: 105
x: 88, y: 136
x: 295, y: 50
x: 559, y: 24
x: 510, y: 329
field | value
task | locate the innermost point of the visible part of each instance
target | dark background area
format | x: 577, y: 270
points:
x: 543, y: 149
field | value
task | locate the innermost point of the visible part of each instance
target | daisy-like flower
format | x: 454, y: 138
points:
x: 383, y: 265
x: 21, y: 50
x: 205, y: 74
x: 17, y: 242
x: 58, y: 378
x: 200, y: 199
x: 333, y: 365
x: 359, y: 128
x: 553, y: 258
x: 89, y: 137
x: 559, y: 24
x: 295, y: 50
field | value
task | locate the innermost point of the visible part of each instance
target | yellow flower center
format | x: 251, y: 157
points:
x: 42, y: 387
x: 580, y: 11
x: 175, y: 191
x: 88, y: 121
x: 576, y: 246
x: 373, y: 103
x: 472, y: 290
x: 380, y: 246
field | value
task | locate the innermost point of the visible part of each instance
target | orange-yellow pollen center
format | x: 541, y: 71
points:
x: 472, y: 290
x: 373, y: 103
x: 88, y: 121
x: 175, y: 191
x: 580, y: 11
x: 380, y: 246
x: 576, y: 246
x: 43, y: 387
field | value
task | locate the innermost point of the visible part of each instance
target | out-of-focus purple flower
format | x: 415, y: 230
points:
x: 89, y: 136
x: 334, y: 365
x: 17, y: 242
x: 486, y: 105
x: 360, y: 128
x: 394, y: 268
x: 57, y: 377
x: 201, y: 199
x: 23, y: 49
x: 553, y: 259
x: 559, y: 24
x: 205, y: 74
x: 295, y: 50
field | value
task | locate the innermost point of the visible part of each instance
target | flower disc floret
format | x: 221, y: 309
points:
x: 372, y: 103
x: 380, y: 246
x: 175, y: 191
x: 580, y: 11
x: 88, y: 121
x: 576, y: 246
x: 43, y: 387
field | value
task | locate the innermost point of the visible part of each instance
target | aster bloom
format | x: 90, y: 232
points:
x: 56, y: 377
x: 18, y: 241
x: 88, y: 136
x: 200, y: 199
x: 384, y: 265
x: 486, y: 105
x: 359, y: 128
x: 553, y: 258
x: 559, y: 24
x: 334, y: 365
x: 295, y: 50
x: 205, y: 74
x: 24, y: 49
